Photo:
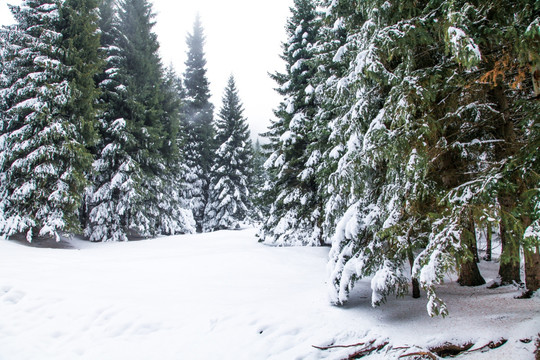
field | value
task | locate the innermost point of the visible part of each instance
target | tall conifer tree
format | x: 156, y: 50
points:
x: 47, y: 115
x: 229, y: 197
x: 295, y: 213
x: 425, y: 143
x: 198, y: 112
x: 117, y: 175
x: 135, y: 189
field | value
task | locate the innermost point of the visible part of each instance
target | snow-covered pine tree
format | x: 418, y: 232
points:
x: 475, y: 136
x: 382, y: 138
x: 117, y: 175
x: 134, y: 188
x: 47, y: 117
x: 176, y: 216
x: 229, y: 198
x: 361, y: 196
x: 334, y: 133
x: 423, y: 156
x: 143, y: 110
x: 495, y: 118
x: 295, y: 213
x: 198, y: 124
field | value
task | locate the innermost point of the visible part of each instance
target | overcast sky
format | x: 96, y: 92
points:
x: 243, y: 38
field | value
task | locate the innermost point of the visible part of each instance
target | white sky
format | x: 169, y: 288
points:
x: 243, y: 38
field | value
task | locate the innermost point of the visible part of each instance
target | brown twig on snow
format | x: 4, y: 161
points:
x: 492, y: 345
x: 364, y: 352
x: 340, y: 346
x: 422, y: 353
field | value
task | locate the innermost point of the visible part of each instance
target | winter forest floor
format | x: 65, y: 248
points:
x: 222, y: 295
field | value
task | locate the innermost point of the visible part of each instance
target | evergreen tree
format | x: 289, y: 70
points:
x: 143, y: 109
x: 198, y: 112
x: 229, y: 198
x: 116, y: 177
x: 176, y: 216
x: 295, y: 214
x: 135, y: 189
x: 425, y: 138
x: 47, y: 115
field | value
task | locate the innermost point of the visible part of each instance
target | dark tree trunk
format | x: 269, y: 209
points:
x: 532, y: 263
x: 489, y: 236
x: 509, y: 269
x: 532, y: 270
x: 469, y: 274
x: 415, y: 282
x: 474, y: 244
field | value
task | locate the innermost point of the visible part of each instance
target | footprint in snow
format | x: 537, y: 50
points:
x: 13, y: 297
x: 4, y: 290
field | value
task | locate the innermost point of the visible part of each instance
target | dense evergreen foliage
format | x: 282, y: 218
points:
x: 47, y: 116
x: 136, y: 189
x: 82, y: 80
x: 424, y: 129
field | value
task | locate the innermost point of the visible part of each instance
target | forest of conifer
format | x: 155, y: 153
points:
x: 407, y: 137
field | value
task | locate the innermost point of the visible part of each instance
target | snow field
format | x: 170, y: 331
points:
x: 224, y: 296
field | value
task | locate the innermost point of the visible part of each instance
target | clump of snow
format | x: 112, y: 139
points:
x: 463, y: 47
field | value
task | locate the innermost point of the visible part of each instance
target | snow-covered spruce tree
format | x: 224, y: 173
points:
x: 507, y: 184
x: 229, y: 198
x: 332, y: 164
x: 364, y: 190
x: 483, y: 157
x: 143, y: 112
x: 295, y: 213
x: 379, y: 147
x: 198, y: 124
x: 427, y: 145
x: 47, y: 116
x: 135, y: 190
x: 176, y: 216
x: 116, y: 177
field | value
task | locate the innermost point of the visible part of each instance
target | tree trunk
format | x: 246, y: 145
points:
x: 415, y: 282
x: 532, y: 269
x: 489, y: 235
x: 474, y: 243
x: 509, y: 268
x: 532, y: 263
x: 469, y: 274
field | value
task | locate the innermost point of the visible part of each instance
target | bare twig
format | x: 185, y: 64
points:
x: 422, y: 353
x: 364, y: 352
x: 491, y: 345
x: 340, y: 346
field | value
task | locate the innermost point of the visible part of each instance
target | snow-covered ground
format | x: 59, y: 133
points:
x: 224, y: 296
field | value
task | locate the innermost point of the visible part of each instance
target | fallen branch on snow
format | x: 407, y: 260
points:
x: 422, y: 353
x: 491, y: 345
x: 364, y: 352
x: 340, y: 346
